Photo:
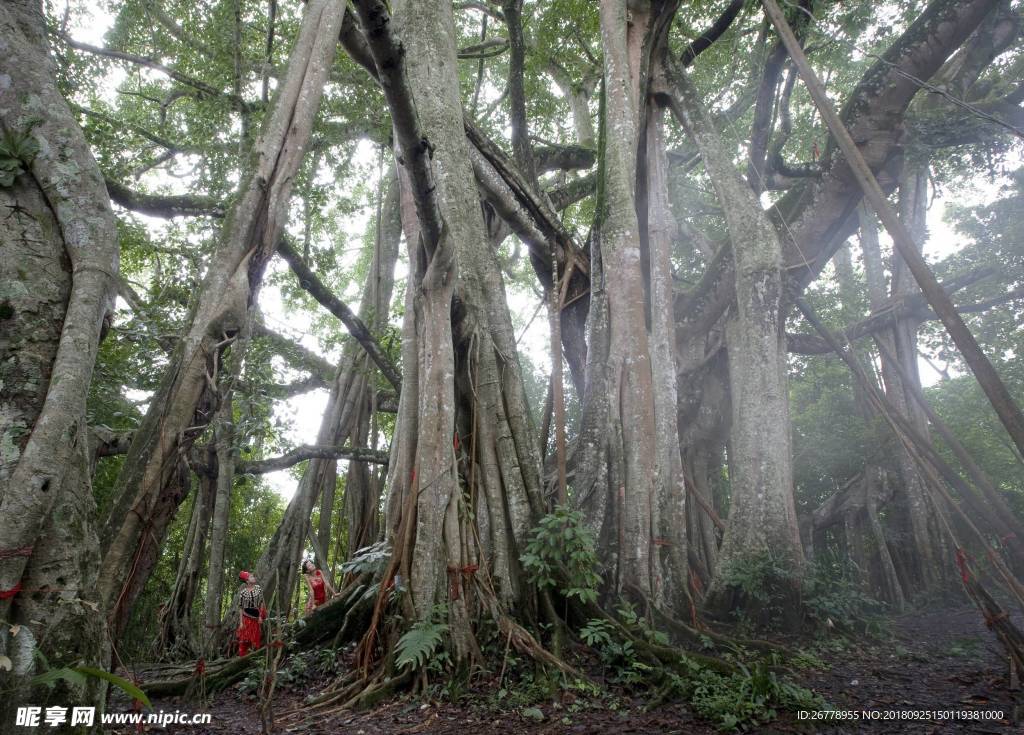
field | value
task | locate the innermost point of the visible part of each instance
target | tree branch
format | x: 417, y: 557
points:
x: 163, y: 205
x: 177, y: 76
x: 316, y: 288
x: 296, y: 354
x: 388, y: 56
x: 712, y: 34
x: 563, y: 158
x: 808, y: 344
x: 310, y: 451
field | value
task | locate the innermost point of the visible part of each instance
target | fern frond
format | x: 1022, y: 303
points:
x: 418, y: 645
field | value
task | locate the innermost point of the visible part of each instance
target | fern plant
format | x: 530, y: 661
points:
x: 419, y: 644
x: 16, y: 153
x: 369, y: 560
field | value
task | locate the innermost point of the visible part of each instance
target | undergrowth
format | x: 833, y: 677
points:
x: 831, y: 598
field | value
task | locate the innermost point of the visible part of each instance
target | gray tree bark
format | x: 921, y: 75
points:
x: 224, y: 435
x: 762, y: 518
x: 58, y: 269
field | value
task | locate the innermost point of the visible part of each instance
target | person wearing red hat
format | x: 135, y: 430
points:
x: 251, y: 613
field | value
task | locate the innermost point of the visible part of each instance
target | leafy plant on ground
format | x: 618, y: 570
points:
x: 833, y: 597
x: 417, y: 646
x: 561, y: 545
x: 743, y: 700
x: 762, y: 582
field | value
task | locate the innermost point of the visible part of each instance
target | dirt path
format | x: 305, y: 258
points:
x: 943, y: 661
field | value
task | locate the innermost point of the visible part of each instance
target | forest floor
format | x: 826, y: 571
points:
x: 940, y: 660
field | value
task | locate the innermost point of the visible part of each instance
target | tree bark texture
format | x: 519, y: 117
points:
x: 762, y: 518
x: 57, y: 278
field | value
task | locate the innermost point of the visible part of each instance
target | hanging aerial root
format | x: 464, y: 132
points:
x: 996, y: 619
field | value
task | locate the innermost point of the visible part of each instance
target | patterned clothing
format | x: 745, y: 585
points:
x: 251, y: 599
x: 250, y: 633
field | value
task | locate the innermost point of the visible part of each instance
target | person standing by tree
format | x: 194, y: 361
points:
x: 251, y: 613
x: 318, y: 586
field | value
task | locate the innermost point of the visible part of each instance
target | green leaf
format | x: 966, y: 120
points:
x: 51, y: 677
x: 123, y: 684
x: 532, y: 713
x: 418, y: 645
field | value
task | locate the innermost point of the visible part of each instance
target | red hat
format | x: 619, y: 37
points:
x: 244, y: 576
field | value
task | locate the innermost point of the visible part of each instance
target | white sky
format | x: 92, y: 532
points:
x: 303, y: 413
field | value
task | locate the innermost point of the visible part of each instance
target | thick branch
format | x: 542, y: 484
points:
x: 1002, y: 401
x: 712, y: 34
x: 820, y: 214
x: 316, y: 288
x: 108, y: 443
x: 163, y: 205
x: 310, y: 451
x: 563, y: 158
x: 389, y: 59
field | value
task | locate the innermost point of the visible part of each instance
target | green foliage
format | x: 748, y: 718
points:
x: 746, y: 699
x: 77, y: 676
x: 369, y: 560
x: 561, y: 553
x: 834, y: 597
x: 764, y: 583
x: 616, y: 652
x: 419, y: 644
x: 17, y: 150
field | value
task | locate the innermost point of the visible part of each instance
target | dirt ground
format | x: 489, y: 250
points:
x: 941, y: 667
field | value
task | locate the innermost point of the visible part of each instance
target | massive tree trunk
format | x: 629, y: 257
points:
x: 58, y: 267
x: 462, y: 416
x: 628, y: 460
x: 762, y: 518
x: 146, y: 497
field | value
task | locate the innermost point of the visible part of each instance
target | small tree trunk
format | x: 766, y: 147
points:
x: 874, y: 475
x: 912, y: 502
x: 178, y: 636
x: 224, y: 431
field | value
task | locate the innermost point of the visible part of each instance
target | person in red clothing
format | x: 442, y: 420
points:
x: 318, y: 586
x: 251, y: 614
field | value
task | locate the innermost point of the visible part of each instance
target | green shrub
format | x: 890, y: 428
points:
x: 561, y: 546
